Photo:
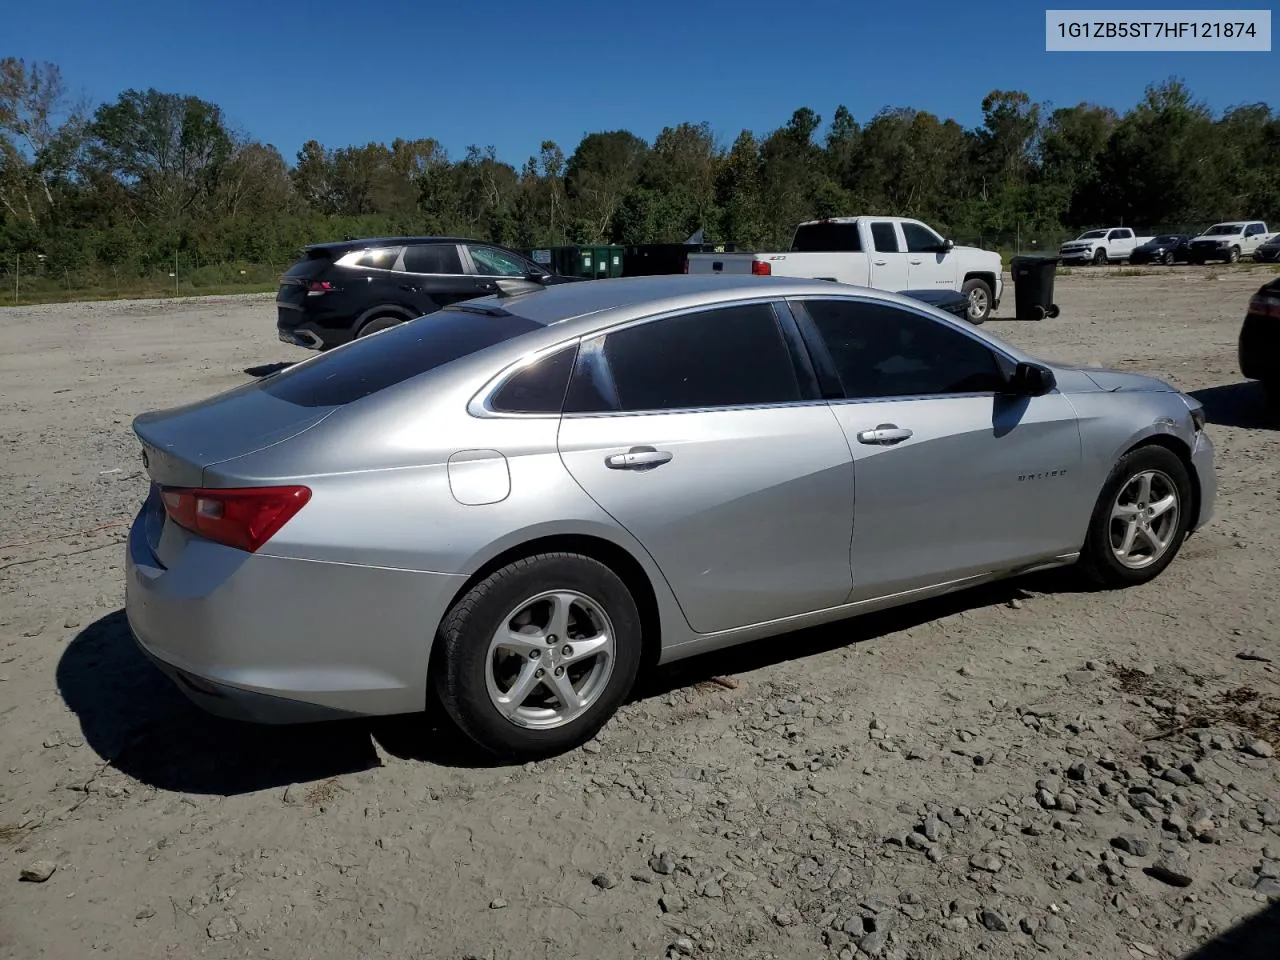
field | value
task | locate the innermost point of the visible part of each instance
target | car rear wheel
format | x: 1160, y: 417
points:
x: 539, y: 655
x: 378, y: 324
x: 1140, y: 519
x: 978, y: 293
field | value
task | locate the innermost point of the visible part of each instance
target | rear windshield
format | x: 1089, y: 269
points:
x: 826, y: 238
x: 311, y: 263
x: 384, y: 359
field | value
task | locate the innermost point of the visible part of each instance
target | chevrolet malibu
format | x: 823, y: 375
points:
x: 518, y: 502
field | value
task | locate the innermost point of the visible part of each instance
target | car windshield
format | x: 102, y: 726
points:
x: 1092, y: 235
x: 1167, y: 238
x: 1223, y: 230
x: 384, y: 359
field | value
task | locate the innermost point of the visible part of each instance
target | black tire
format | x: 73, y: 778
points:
x: 984, y: 300
x: 1038, y: 312
x: 1272, y: 389
x: 1233, y: 255
x: 1168, y: 258
x: 1098, y: 561
x: 1053, y: 311
x: 378, y: 324
x: 1099, y: 257
x: 463, y: 638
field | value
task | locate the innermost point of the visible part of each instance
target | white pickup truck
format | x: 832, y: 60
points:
x: 1101, y: 246
x: 1229, y: 241
x: 889, y: 253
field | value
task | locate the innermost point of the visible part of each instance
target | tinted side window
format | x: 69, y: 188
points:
x: 884, y: 237
x: 539, y: 387
x: 884, y: 351
x: 432, y: 258
x: 383, y: 258
x: 920, y: 239
x: 714, y: 358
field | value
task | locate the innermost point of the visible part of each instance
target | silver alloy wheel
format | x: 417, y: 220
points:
x: 550, y: 659
x: 977, y: 303
x: 1144, y: 519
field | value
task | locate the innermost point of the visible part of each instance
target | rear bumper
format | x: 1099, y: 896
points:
x: 1258, y: 348
x: 278, y: 640
x: 308, y: 333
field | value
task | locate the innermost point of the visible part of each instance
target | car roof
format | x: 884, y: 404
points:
x: 576, y: 309
x: 360, y: 244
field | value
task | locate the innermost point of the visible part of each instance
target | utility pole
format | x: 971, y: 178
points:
x: 17, y: 271
x: 175, y: 273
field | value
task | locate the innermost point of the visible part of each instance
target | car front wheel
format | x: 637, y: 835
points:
x: 539, y: 655
x: 1140, y: 519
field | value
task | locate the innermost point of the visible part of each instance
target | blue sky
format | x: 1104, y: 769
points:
x: 512, y: 73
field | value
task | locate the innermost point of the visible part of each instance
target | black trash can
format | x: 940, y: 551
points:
x: 1033, y: 287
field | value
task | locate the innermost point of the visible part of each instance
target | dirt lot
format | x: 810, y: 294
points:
x: 1024, y: 769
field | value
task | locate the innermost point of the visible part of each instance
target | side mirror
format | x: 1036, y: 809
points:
x: 1031, y: 380
x: 947, y: 246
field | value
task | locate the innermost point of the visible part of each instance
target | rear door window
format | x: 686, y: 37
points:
x: 724, y: 357
x: 436, y: 258
x: 885, y: 237
x: 373, y: 363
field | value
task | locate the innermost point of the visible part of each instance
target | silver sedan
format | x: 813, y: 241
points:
x: 518, y: 502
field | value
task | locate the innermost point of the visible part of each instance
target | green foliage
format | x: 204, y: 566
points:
x: 113, y: 198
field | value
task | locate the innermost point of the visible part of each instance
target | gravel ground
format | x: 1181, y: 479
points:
x: 1021, y: 769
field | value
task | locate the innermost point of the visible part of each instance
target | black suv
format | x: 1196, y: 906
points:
x: 340, y: 291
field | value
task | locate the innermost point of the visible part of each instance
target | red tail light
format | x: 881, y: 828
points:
x: 316, y: 287
x: 761, y: 268
x: 1265, y: 306
x: 241, y: 517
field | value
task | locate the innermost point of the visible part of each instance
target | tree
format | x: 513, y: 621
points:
x: 171, y: 148
x: 598, y: 175
x: 41, y: 134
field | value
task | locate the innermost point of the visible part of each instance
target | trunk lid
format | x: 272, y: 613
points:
x: 178, y: 444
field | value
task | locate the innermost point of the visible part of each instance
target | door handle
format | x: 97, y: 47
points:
x: 880, y: 263
x: 885, y: 435
x: 409, y: 287
x: 915, y: 262
x: 637, y: 458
